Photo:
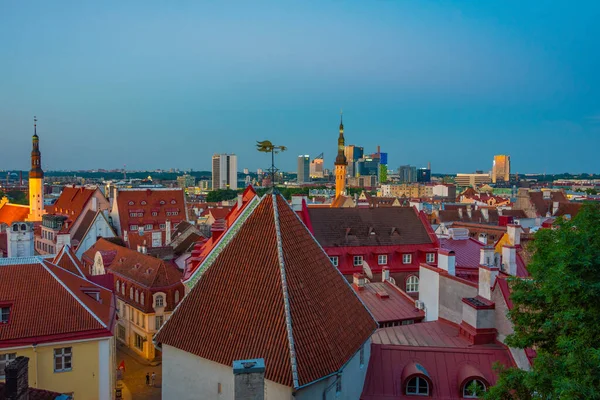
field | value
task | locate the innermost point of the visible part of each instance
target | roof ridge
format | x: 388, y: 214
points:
x: 6, y: 261
x: 286, y: 301
x: 64, y: 285
x: 76, y: 263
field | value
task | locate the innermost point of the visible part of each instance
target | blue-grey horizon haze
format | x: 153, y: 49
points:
x: 167, y: 84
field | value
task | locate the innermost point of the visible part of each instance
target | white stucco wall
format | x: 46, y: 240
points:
x: 187, y: 377
x: 98, y: 228
x: 451, y: 293
x: 429, y: 292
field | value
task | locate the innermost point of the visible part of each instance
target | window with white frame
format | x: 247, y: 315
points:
x: 406, y: 258
x: 175, y: 213
x: 140, y: 214
x: 118, y: 285
x: 4, y: 314
x: 358, y: 261
x: 123, y: 289
x: 149, y: 227
x: 131, y: 293
x: 338, y: 385
x: 474, y: 389
x: 168, y: 213
x: 133, y: 228
x: 132, y: 215
x: 382, y: 259
x: 177, y: 296
x: 335, y: 260
x: 139, y: 342
x: 63, y: 359
x: 430, y: 258
x: 154, y: 213
x: 417, y: 386
x: 158, y: 321
x: 142, y: 298
x: 4, y: 360
x: 137, y: 296
x: 162, y: 226
x: 412, y: 284
x: 142, y: 320
x: 159, y: 301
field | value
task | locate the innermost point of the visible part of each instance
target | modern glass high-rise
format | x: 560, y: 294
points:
x: 316, y: 167
x: 303, y: 169
x: 501, y: 168
x: 224, y: 171
x: 407, y: 173
x: 353, y: 154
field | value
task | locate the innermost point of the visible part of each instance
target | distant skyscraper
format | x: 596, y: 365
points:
x: 246, y: 171
x: 407, y: 173
x: 316, y: 167
x: 224, y: 171
x: 423, y: 175
x: 501, y: 168
x: 353, y: 154
x: 303, y: 169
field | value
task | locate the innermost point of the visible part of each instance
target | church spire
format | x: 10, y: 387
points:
x: 341, y: 155
x: 36, y: 155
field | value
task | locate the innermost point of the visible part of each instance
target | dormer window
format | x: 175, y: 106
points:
x: 382, y: 259
x: 133, y: 228
x: 173, y: 202
x: 162, y: 202
x: 143, y: 202
x: 4, y: 314
x: 159, y: 301
x: 430, y: 258
x: 406, y: 258
x: 417, y: 386
x: 154, y: 213
x: 334, y: 260
x: 131, y: 203
x: 474, y: 389
x: 93, y: 293
x: 358, y: 261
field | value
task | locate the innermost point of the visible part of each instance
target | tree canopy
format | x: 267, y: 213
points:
x: 557, y: 314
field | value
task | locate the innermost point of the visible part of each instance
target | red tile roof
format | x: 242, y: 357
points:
x: 67, y: 259
x: 397, y: 306
x: 437, y: 350
x: 33, y: 394
x: 10, y: 213
x: 237, y: 309
x: 32, y: 287
x: 467, y: 251
x: 142, y: 269
x: 148, y: 201
x: 71, y: 203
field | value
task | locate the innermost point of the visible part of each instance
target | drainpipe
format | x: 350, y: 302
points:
x: 35, y: 363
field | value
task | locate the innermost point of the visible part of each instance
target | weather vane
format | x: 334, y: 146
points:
x: 267, y: 147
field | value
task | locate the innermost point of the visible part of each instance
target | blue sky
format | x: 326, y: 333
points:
x: 167, y: 84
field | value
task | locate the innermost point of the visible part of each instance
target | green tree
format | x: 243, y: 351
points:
x: 557, y: 313
x: 221, y: 195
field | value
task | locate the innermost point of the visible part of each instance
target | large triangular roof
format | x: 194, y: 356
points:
x: 272, y: 293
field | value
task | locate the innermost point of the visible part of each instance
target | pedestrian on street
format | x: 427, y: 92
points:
x: 147, y: 378
x: 153, y: 378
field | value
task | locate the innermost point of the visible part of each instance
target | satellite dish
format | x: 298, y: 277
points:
x: 367, y: 270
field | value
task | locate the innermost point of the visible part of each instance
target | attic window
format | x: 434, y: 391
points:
x: 137, y: 265
x: 162, y: 202
x: 149, y: 271
x: 4, y: 314
x: 371, y: 231
x: 143, y: 202
x: 173, y: 201
x: 93, y: 293
x: 131, y: 203
x: 474, y: 389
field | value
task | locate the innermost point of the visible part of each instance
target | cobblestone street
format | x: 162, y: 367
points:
x: 134, y: 377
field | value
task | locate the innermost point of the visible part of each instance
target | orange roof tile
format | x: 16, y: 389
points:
x: 10, y: 213
x: 271, y: 298
x: 147, y: 202
x: 31, y: 287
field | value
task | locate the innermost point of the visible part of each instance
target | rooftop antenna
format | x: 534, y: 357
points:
x: 267, y: 147
x: 124, y: 172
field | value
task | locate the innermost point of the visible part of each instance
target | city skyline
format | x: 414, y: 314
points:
x: 153, y: 91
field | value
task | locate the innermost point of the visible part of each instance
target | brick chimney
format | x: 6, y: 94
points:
x: 487, y: 279
x: 447, y: 261
x: 514, y: 234
x: 17, y: 379
x: 358, y: 281
x: 249, y: 379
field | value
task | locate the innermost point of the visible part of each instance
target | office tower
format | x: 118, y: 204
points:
x: 353, y: 154
x: 407, y: 174
x: 316, y: 167
x: 303, y: 168
x: 424, y: 175
x: 246, y: 171
x: 224, y: 171
x: 501, y: 168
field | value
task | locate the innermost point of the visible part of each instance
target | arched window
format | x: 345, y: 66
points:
x: 142, y: 298
x: 123, y: 289
x: 137, y: 296
x: 412, y: 284
x: 177, y: 296
x: 131, y: 293
x: 160, y: 301
x: 15, y: 228
x: 118, y: 286
x: 23, y: 227
x: 417, y: 386
x: 474, y: 389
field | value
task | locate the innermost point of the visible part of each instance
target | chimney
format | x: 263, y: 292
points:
x: 469, y: 211
x: 167, y: 231
x: 249, y: 379
x: 447, y: 261
x: 297, y: 201
x: 486, y: 255
x: 486, y: 214
x: 17, y: 379
x: 478, y: 320
x: 546, y: 195
x: 94, y: 203
x: 514, y: 234
x: 487, y: 279
x: 460, y: 213
x: 417, y: 204
x: 555, y: 205
x: 240, y: 200
x: 509, y: 259
x: 385, y: 274
x: 359, y: 281
x: 142, y: 248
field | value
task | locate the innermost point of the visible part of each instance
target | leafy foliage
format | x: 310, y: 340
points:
x: 557, y: 313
